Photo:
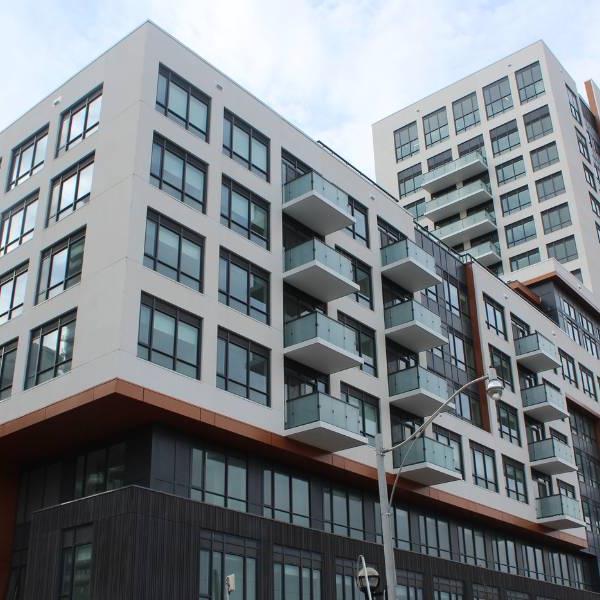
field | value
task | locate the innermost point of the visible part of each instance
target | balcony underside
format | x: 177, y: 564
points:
x: 415, y: 336
x: 318, y: 213
x: 428, y: 473
x: 439, y: 210
x: 410, y: 274
x: 320, y: 281
x: 420, y: 402
x: 486, y: 257
x: 464, y: 234
x: 553, y: 465
x: 538, y: 361
x: 561, y: 522
x: 326, y: 436
x: 462, y: 173
x: 322, y: 356
x: 545, y: 412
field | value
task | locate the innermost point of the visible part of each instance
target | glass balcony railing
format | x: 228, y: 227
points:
x: 550, y: 448
x: 462, y: 224
x: 457, y: 195
x: 318, y: 325
x: 409, y: 311
x: 313, y: 182
x: 321, y: 407
x: 542, y: 393
x: 455, y: 165
x: 322, y: 253
x: 484, y: 249
x: 535, y: 342
x: 425, y: 450
x: 417, y: 378
x: 558, y: 506
x: 406, y: 249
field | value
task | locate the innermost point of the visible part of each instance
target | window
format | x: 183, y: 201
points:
x: 71, y: 189
x: 182, y: 102
x: 582, y: 143
x: 401, y: 526
x: 28, y: 158
x: 296, y: 574
x: 520, y: 232
x: 51, y: 350
x: 302, y: 381
x: 512, y: 595
x: 484, y: 467
x: 406, y: 141
x: 76, y: 564
x: 471, y: 145
x: 409, y: 180
x: 169, y: 336
x: 439, y: 159
x: 178, y: 173
x: 8, y: 355
x: 563, y: 250
x: 515, y: 200
x: 511, y: 170
x: 447, y: 589
x: 587, y: 383
x: 550, y: 186
x: 589, y: 177
x: 343, y: 512
x: 573, y: 104
x: 12, y: 292
x: 218, y: 478
x: 100, y: 470
x: 173, y: 250
x: 365, y: 337
x: 286, y: 498
x: 456, y: 347
x: 505, y: 556
x: 508, y: 423
x: 467, y: 407
x: 494, y: 316
x: 556, y: 218
x: 537, y: 123
x: 449, y: 438
x: 359, y: 230
x: 514, y: 474
x: 466, y: 112
x: 533, y: 560
x: 505, y: 138
x: 246, y: 145
x: 521, y: 261
x: 368, y: 407
x: 497, y: 97
x: 361, y: 275
x: 80, y: 121
x: 485, y: 592
x: 598, y: 231
x: 18, y: 223
x: 345, y: 580
x: 222, y: 555
x: 434, y: 536
x: 530, y: 82
x: 61, y: 266
x: 544, y: 156
x: 435, y: 126
x: 409, y: 585
x: 292, y: 167
x: 471, y: 544
x: 417, y: 208
x: 243, y: 286
x: 388, y: 234
x: 501, y: 362
x: 243, y: 367
x: 245, y: 212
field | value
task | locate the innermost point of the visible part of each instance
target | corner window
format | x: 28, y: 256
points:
x: 71, y: 190
x: 18, y: 223
x: 435, y: 126
x: 550, y: 186
x: 537, y: 123
x: 484, y: 467
x: 28, y: 158
x: 80, y: 121
x: 8, y: 356
x: 466, y: 112
x: 406, y: 141
x: 246, y: 145
x: 497, y: 97
x: 563, y: 250
x: 12, y: 292
x: 530, y: 82
x: 544, y: 156
x: 76, y: 564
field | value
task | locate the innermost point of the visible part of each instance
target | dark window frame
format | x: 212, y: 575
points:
x: 57, y: 212
x: 26, y: 228
x: 15, y: 176
x: 66, y: 119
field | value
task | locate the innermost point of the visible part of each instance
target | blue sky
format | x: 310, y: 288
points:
x: 331, y: 67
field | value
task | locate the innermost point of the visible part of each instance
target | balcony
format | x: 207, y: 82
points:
x: 544, y: 403
x: 427, y: 461
x: 559, y: 512
x: 458, y: 200
x: 319, y: 270
x: 409, y: 266
x: 321, y: 343
x: 324, y: 422
x: 487, y: 253
x: 536, y: 353
x: 413, y: 326
x: 552, y: 457
x: 417, y: 390
x: 317, y: 203
x: 463, y: 230
x: 454, y: 172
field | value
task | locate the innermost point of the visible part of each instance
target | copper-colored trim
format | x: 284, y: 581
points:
x: 524, y: 291
x: 591, y: 97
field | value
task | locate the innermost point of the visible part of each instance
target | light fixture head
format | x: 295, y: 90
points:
x: 368, y: 579
x: 494, y: 385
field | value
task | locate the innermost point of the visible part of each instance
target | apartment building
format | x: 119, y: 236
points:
x: 207, y: 316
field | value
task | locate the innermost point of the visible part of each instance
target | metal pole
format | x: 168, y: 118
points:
x: 386, y: 520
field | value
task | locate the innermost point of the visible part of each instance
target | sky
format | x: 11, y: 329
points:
x: 330, y: 67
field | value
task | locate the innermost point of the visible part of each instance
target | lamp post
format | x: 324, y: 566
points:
x: 494, y: 388
x: 367, y: 579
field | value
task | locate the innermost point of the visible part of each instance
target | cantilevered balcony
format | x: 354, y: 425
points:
x: 487, y: 253
x: 451, y: 173
x: 453, y: 202
x: 544, y: 403
x: 413, y: 326
x: 321, y: 343
x: 552, y: 457
x: 417, y: 390
x: 317, y: 203
x: 319, y: 270
x: 559, y: 512
x: 323, y: 421
x: 409, y: 266
x: 426, y: 461
x: 537, y: 353
x: 466, y: 229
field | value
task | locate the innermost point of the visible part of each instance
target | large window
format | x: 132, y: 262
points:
x: 28, y: 158
x: 359, y: 230
x: 587, y: 383
x: 573, y: 104
x: 409, y: 180
x: 100, y: 470
x: 365, y: 337
x: 569, y: 372
x: 361, y: 275
x: 409, y: 585
x: 521, y: 261
x: 243, y: 286
x: 12, y: 292
x: 80, y: 120
x: 447, y: 589
x: 550, y: 186
x: 71, y: 189
x: 508, y: 423
x: 182, y: 102
x: 368, y: 407
x: 471, y: 544
x: 296, y: 574
x: 8, y: 356
x: 589, y: 177
x: 514, y: 474
x: 51, y: 349
x: 243, y: 367
x: 505, y: 138
x: 485, y: 592
x: 466, y: 112
x: 563, y: 250
x: 18, y: 223
x: 169, y: 336
x: 468, y: 146
x: 533, y: 562
x: 510, y: 170
x: 76, y: 564
x: 515, y: 200
x: 435, y: 536
x: 435, y: 126
x: 530, y: 82
x: 61, y: 266
x: 246, y: 145
x: 173, y: 250
x: 544, y: 156
x: 406, y: 141
x: 484, y: 467
x: 497, y: 97
x: 245, y: 212
x: 343, y: 512
x: 537, y: 123
x: 286, y: 498
x: 449, y: 438
x: 436, y: 161
x: 556, y: 218
x: 501, y: 362
x: 520, y: 232
x: 494, y: 316
x: 505, y: 555
x: 178, y: 173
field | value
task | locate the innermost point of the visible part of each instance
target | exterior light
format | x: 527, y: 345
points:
x: 494, y: 385
x: 367, y: 580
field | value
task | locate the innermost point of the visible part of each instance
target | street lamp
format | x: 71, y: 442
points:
x: 367, y: 579
x: 494, y: 389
